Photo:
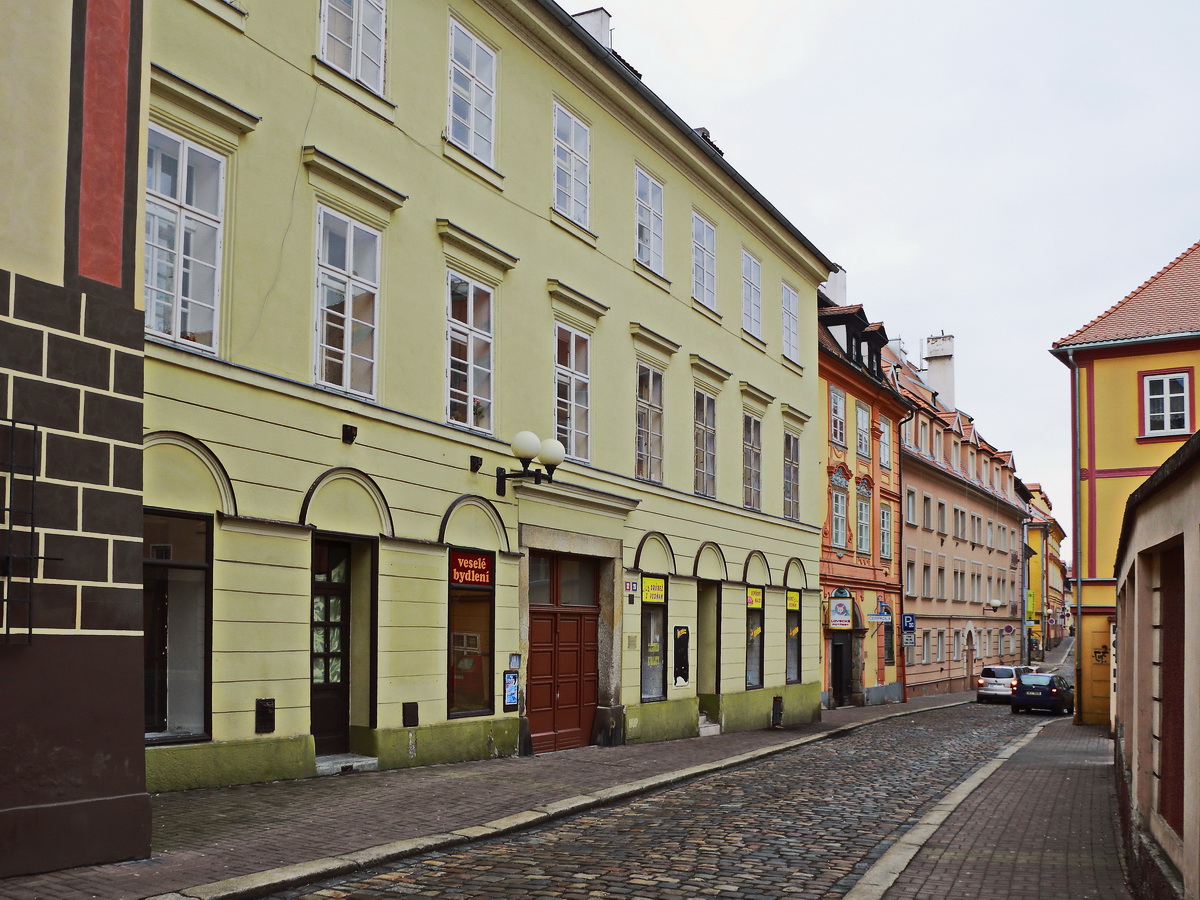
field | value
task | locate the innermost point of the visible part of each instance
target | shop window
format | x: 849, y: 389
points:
x: 472, y: 627
x: 792, y: 640
x: 177, y: 616
x: 754, y: 637
x: 654, y: 637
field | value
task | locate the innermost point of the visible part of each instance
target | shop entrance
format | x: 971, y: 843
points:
x: 563, y: 672
x: 708, y: 638
x: 839, y: 670
x: 330, y: 647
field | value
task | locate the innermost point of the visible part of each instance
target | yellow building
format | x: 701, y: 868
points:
x: 1044, y: 579
x: 382, y: 242
x: 1133, y: 399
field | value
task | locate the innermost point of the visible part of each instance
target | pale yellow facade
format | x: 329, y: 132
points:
x: 246, y: 433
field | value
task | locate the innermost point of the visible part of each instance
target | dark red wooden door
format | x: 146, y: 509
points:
x: 561, y: 690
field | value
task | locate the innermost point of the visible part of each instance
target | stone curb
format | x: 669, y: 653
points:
x: 881, y: 876
x: 259, y: 884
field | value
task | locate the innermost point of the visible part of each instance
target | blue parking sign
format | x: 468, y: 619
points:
x: 908, y: 622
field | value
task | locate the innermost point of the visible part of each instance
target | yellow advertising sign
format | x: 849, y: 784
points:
x: 793, y: 600
x: 654, y: 590
x: 754, y: 598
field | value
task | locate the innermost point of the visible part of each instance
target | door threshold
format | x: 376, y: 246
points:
x: 343, y: 763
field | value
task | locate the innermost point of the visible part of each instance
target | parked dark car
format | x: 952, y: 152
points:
x: 1040, y: 690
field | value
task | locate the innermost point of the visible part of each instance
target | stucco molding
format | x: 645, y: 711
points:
x: 363, y: 480
x: 207, y: 458
x: 483, y: 505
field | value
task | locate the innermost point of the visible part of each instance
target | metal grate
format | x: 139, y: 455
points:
x: 20, y: 444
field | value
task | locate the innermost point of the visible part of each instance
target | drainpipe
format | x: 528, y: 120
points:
x: 1076, y: 553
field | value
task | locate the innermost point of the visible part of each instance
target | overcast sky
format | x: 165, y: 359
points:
x: 1001, y: 171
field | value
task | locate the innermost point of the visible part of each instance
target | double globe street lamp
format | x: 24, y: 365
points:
x: 526, y: 447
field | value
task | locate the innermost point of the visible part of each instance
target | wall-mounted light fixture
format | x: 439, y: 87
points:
x: 527, y: 446
x: 992, y: 605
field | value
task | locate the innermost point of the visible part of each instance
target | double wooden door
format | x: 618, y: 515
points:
x: 563, y: 676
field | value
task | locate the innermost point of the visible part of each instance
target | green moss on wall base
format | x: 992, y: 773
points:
x: 663, y: 721
x: 751, y: 710
x: 183, y: 767
x: 456, y: 741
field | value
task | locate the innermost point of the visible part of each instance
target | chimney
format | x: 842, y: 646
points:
x: 598, y: 23
x: 835, y: 287
x: 939, y: 362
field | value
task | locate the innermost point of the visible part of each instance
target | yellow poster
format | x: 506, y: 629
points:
x: 654, y: 590
x: 754, y: 598
x: 793, y: 600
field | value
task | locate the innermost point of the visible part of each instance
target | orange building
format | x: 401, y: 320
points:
x: 1133, y: 402
x: 860, y: 571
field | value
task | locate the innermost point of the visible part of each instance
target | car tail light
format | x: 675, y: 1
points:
x: 1013, y: 684
x: 1053, y: 691
x: 982, y: 682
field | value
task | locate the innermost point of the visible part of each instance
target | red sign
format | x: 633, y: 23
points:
x: 471, y: 568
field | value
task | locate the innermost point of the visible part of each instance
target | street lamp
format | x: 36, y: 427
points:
x: 527, y: 446
x: 991, y: 605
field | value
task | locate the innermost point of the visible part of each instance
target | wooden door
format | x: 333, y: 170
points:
x: 330, y: 647
x: 563, y: 677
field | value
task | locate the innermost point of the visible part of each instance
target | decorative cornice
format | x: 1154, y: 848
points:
x: 566, y: 299
x: 321, y: 164
x: 755, y: 396
x: 652, y: 340
x: 201, y: 102
x: 475, y: 246
x: 708, y: 370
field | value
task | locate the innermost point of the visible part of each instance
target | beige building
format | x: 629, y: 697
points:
x: 384, y: 241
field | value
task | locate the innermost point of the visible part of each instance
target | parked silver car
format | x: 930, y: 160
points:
x: 994, y: 684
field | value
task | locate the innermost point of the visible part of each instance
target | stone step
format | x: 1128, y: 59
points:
x: 707, y: 728
x: 341, y: 763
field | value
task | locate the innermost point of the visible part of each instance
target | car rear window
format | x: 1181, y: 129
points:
x: 997, y: 672
x: 1040, y: 680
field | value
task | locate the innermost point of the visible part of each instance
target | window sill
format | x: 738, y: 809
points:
x: 789, y: 363
x: 573, y: 228
x: 754, y: 341
x: 343, y: 392
x: 1172, y: 437
x: 231, y: 15
x: 707, y: 311
x: 651, y: 276
x: 357, y: 93
x: 654, y: 699
x: 475, y: 166
x: 473, y: 714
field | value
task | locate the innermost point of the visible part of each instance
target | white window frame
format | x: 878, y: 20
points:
x: 364, y: 33
x: 1167, y: 397
x: 572, y: 171
x: 910, y: 578
x: 751, y: 294
x: 837, y: 416
x: 862, y: 536
x: 648, y: 220
x: 927, y: 580
x: 478, y: 405
x: 186, y: 217
x: 910, y: 507
x: 885, y: 531
x: 925, y: 642
x: 704, y: 481
x: 885, y: 442
x: 941, y: 646
x: 941, y: 582
x: 837, y: 520
x: 704, y: 261
x: 350, y: 322
x: 572, y: 391
x: 649, y: 438
x: 751, y: 461
x: 791, y: 476
x: 791, y: 322
x: 862, y: 427
x: 472, y: 81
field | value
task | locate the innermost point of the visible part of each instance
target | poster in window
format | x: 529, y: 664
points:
x: 754, y: 598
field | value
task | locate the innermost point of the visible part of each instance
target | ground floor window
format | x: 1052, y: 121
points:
x: 471, y: 616
x: 654, y: 638
x: 754, y: 637
x: 177, y: 616
x: 792, y: 641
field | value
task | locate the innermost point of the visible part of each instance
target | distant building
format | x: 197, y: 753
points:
x: 1157, y: 719
x: 1133, y: 403
x: 73, y: 790
x: 961, y: 542
x: 860, y: 559
x: 1045, y: 573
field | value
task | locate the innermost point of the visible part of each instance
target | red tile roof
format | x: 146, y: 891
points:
x: 1169, y: 303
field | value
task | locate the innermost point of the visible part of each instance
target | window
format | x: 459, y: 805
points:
x: 649, y: 423
x: 792, y: 639
x: 910, y: 507
x: 347, y: 288
x: 937, y: 444
x: 889, y: 644
x: 885, y: 531
x: 352, y: 39
x: 177, y: 598
x: 572, y: 388
x: 704, y: 261
x: 649, y: 222
x: 941, y: 582
x: 791, y: 477
x: 1165, y: 401
x: 837, y: 416
x: 791, y: 324
x: 751, y: 295
x: 754, y: 637
x: 837, y: 533
x: 471, y: 620
x: 570, y: 166
x: 185, y: 190
x: 960, y: 524
x: 910, y: 578
x: 927, y: 580
x: 469, y: 352
x: 991, y: 533
x: 957, y: 643
x: 976, y: 529
x: 705, y: 465
x: 654, y: 638
x: 941, y: 646
x: 885, y: 443
x: 862, y: 422
x: 941, y: 517
x: 862, y: 536
x: 923, y: 446
x: 927, y: 512
x: 471, y: 121
x: 751, y: 461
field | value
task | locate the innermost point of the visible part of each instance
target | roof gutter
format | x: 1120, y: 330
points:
x: 1066, y: 354
x: 598, y: 50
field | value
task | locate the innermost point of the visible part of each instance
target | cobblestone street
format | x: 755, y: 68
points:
x: 804, y: 824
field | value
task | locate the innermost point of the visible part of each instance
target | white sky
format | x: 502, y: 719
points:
x: 1001, y: 170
